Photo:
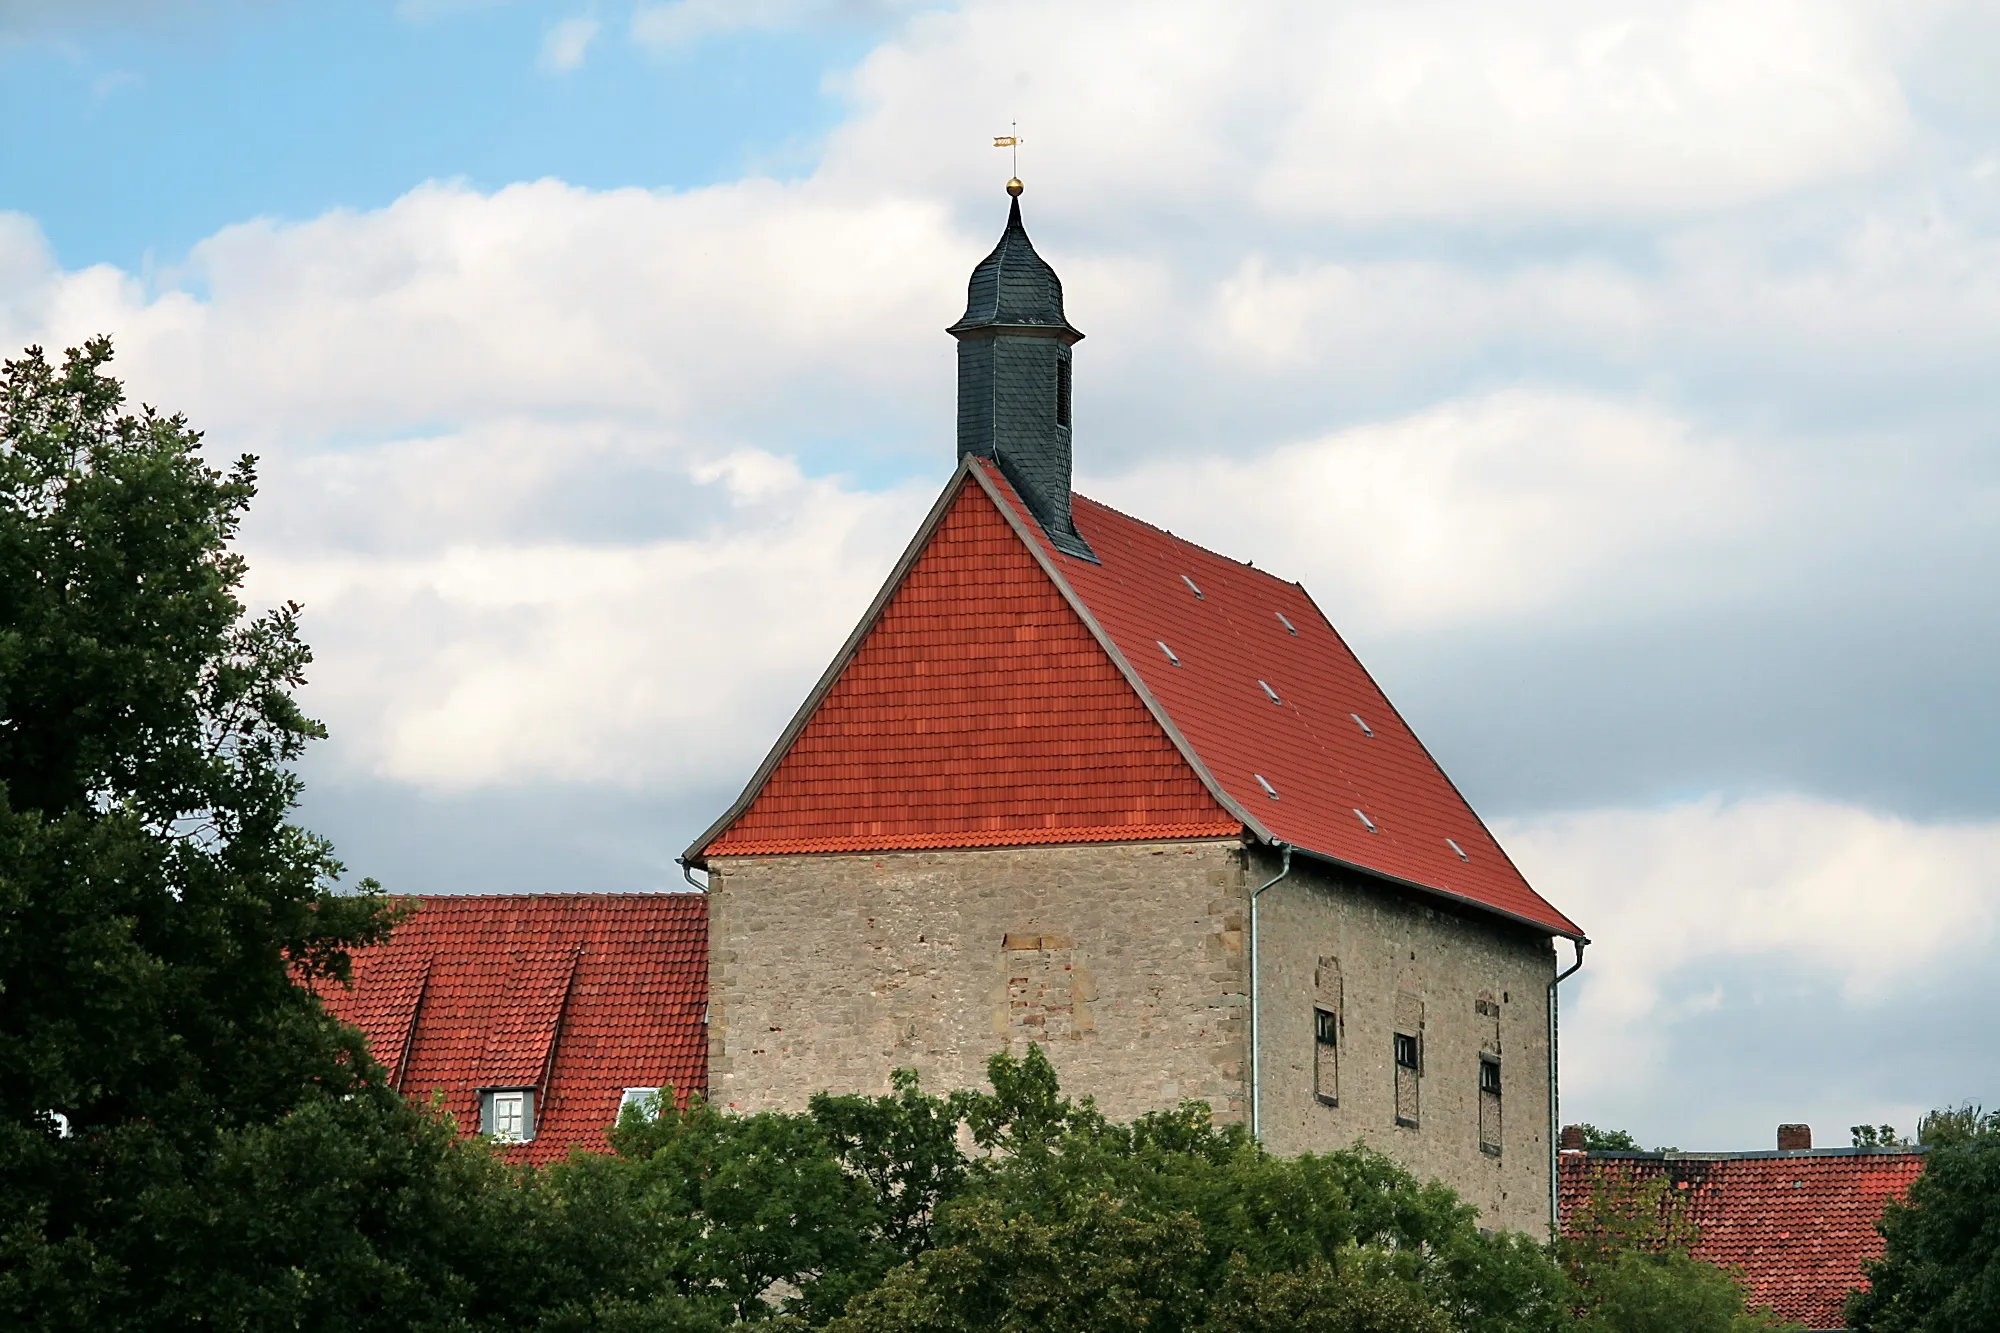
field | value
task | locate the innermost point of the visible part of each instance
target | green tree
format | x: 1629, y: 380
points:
x: 186, y: 1138
x: 1608, y: 1140
x: 1940, y: 1268
x: 1319, y: 1241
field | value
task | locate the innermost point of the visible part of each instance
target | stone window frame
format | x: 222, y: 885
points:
x: 1326, y: 1055
x: 1491, y: 1104
x: 1409, y: 1069
x: 1329, y: 1015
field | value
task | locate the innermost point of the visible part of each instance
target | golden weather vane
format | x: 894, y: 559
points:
x: 1012, y: 141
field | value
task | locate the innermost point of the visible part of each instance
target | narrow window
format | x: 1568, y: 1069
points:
x: 1489, y: 1105
x: 508, y: 1114
x: 1409, y: 1059
x: 1326, y: 1056
x: 1326, y: 1031
x: 1062, y: 391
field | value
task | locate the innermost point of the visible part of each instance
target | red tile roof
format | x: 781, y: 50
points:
x: 1798, y: 1224
x: 1237, y: 670
x: 978, y: 710
x: 577, y: 995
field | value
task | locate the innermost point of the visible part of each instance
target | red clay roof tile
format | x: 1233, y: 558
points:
x: 981, y: 709
x: 582, y: 995
x: 978, y: 711
x: 1798, y: 1224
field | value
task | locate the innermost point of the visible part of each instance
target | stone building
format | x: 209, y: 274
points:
x: 1074, y: 780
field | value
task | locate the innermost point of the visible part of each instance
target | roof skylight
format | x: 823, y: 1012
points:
x: 1289, y: 627
x: 1191, y: 586
x: 1453, y: 844
x: 1366, y: 822
x: 1168, y: 651
x: 1269, y: 790
x: 1366, y: 730
x: 1271, y: 692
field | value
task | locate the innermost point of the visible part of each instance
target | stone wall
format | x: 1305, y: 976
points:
x: 1126, y: 962
x: 1129, y: 964
x: 1469, y: 988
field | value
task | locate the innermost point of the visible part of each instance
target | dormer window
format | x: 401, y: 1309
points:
x: 508, y: 1114
x: 1062, y: 391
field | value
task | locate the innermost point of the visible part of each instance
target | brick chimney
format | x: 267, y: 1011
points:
x: 1572, y: 1138
x: 1794, y: 1138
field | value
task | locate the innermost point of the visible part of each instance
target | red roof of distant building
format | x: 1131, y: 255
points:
x: 1797, y: 1224
x: 1167, y: 692
x: 578, y: 996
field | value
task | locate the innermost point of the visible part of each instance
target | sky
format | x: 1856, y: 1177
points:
x: 1618, y: 375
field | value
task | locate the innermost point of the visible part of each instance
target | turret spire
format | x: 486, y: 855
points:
x: 1014, y: 377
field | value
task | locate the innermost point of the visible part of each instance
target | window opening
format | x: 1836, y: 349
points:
x: 1409, y: 1053
x: 639, y: 1097
x: 508, y: 1114
x: 1062, y: 391
x: 1489, y: 1105
x: 1326, y: 1032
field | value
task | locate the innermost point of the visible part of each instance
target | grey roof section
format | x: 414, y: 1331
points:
x: 1015, y: 288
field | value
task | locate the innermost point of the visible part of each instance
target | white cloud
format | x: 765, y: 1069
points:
x: 638, y: 664
x: 1373, y: 112
x: 567, y: 44
x: 1495, y: 509
x: 1867, y: 899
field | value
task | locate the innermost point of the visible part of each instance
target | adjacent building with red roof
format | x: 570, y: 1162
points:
x: 1075, y: 780
x: 1797, y: 1223
x: 536, y: 1016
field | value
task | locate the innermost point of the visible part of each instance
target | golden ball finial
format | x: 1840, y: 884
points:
x: 1014, y: 187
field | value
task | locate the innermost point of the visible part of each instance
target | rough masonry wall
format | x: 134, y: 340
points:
x: 1384, y: 960
x: 1129, y: 964
x: 1126, y: 962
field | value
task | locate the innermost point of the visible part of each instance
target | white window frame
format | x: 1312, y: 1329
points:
x: 518, y: 1126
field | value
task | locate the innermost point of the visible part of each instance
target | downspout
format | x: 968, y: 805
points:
x: 1256, y: 1031
x: 687, y: 873
x: 1555, y: 1111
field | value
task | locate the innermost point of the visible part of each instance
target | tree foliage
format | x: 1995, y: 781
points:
x: 186, y: 1139
x: 1940, y: 1270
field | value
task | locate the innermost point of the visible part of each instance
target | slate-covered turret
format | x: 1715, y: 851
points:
x: 1014, y: 377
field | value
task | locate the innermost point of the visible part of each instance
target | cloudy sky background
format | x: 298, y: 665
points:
x: 1619, y: 376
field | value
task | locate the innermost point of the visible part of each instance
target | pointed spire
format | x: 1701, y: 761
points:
x: 1014, y: 346
x: 1014, y: 286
